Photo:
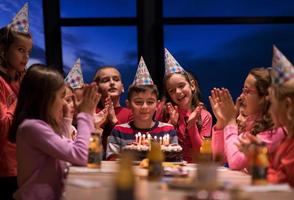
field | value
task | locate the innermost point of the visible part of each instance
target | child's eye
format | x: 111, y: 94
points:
x: 21, y: 50
x: 171, y: 91
x: 116, y: 78
x: 139, y: 102
x: 150, y: 102
x: 182, y: 86
x: 104, y: 80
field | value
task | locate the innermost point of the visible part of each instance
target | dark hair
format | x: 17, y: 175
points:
x: 263, y: 82
x: 37, y: 92
x: 142, y: 88
x: 97, y: 78
x: 8, y: 37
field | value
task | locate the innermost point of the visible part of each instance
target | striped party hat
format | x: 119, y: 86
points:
x: 142, y: 76
x: 75, y: 76
x: 20, y: 22
x: 171, y: 65
x: 282, y: 68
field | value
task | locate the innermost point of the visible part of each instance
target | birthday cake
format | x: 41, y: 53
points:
x: 142, y: 145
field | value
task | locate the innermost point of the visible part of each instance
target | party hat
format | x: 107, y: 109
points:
x: 75, y: 77
x: 142, y: 76
x: 282, y: 68
x: 171, y: 65
x: 20, y: 22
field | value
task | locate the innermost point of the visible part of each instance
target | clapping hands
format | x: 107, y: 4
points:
x: 173, y: 113
x: 223, y: 107
x: 90, y: 99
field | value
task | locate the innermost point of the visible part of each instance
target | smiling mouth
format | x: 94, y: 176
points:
x: 181, y: 98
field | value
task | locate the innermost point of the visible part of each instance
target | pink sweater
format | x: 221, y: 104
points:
x: 40, y: 156
x: 224, y: 143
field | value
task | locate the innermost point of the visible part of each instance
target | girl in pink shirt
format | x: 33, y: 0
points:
x: 281, y: 96
x: 38, y: 130
x: 258, y: 122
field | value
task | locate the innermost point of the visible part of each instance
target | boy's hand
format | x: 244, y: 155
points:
x: 111, y: 112
x: 173, y: 113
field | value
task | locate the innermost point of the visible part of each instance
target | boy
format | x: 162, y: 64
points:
x: 110, y: 86
x: 142, y: 100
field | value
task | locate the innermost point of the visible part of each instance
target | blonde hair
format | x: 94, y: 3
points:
x: 282, y: 92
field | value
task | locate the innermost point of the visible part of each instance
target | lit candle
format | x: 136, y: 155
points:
x: 160, y: 140
x: 167, y: 139
x: 164, y: 140
x: 139, y: 138
x: 143, y: 140
x: 149, y: 138
x: 136, y: 136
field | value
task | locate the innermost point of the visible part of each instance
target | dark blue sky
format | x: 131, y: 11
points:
x: 219, y: 55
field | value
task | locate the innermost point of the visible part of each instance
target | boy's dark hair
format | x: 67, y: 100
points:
x: 7, y: 37
x: 142, y: 88
x: 37, y: 92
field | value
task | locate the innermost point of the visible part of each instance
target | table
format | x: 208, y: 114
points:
x: 99, y: 184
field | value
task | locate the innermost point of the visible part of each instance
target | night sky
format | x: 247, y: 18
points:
x: 219, y: 55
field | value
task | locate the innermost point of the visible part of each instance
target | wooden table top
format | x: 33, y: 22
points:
x: 83, y: 183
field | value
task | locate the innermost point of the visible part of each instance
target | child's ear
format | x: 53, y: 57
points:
x: 193, y: 85
x: 128, y: 103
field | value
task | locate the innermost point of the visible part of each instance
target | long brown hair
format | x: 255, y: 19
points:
x: 37, y: 92
x: 263, y: 81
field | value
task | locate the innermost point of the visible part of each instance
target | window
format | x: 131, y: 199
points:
x: 227, y: 8
x: 98, y: 46
x: 98, y: 8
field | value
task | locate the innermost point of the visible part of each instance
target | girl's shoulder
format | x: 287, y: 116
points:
x: 33, y: 125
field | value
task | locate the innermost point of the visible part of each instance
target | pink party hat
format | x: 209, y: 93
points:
x: 171, y: 65
x: 142, y: 76
x: 283, y: 69
x: 75, y: 77
x: 20, y: 22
